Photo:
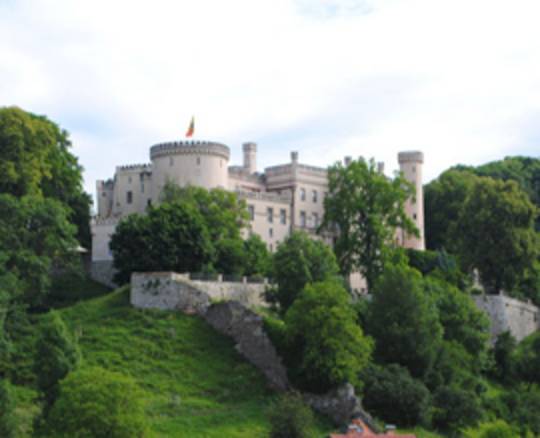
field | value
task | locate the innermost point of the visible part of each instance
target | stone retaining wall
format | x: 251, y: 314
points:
x: 103, y: 272
x: 509, y: 314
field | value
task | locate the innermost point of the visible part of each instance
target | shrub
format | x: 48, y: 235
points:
x: 7, y: 408
x: 97, y: 403
x: 56, y: 355
x: 455, y: 408
x: 290, y: 418
x: 394, y: 396
x: 495, y: 429
x: 322, y: 331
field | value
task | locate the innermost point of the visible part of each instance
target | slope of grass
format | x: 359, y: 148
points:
x: 194, y: 381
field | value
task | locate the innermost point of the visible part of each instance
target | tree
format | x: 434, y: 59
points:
x: 35, y: 237
x: 8, y: 424
x: 290, y: 417
x: 455, y: 408
x: 495, y: 233
x: 36, y: 161
x: 98, y: 403
x: 404, y: 321
x: 171, y: 237
x: 503, y: 353
x: 322, y: 331
x: 443, y: 201
x: 461, y: 320
x: 365, y: 208
x: 527, y: 359
x: 391, y: 394
x: 57, y: 354
x: 257, y: 258
x: 495, y: 429
x: 300, y: 260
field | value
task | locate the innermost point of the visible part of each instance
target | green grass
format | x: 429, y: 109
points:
x: 194, y: 381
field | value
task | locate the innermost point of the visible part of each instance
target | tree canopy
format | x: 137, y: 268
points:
x: 365, y: 208
x: 300, y: 260
x: 36, y: 161
x: 330, y: 347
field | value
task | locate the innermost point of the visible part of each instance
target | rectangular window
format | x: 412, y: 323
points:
x: 148, y: 202
x: 142, y: 187
x: 314, y: 195
x: 315, y: 219
x: 302, y: 194
x: 198, y: 161
x: 129, y: 197
x: 270, y: 232
x: 251, y: 212
x: 303, y: 219
x: 129, y: 179
x: 283, y: 216
x: 270, y: 214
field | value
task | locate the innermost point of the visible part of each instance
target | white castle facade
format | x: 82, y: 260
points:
x: 281, y: 199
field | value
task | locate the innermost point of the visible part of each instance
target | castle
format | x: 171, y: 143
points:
x: 282, y: 199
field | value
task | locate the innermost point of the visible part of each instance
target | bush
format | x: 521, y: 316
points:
x: 94, y: 402
x: 455, y: 408
x: 7, y: 410
x: 330, y: 347
x: 290, y: 418
x: 56, y: 355
x: 522, y: 408
x: 394, y: 396
x: 495, y: 429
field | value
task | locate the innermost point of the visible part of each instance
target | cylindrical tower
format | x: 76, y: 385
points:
x: 250, y: 157
x: 410, y: 163
x: 196, y: 163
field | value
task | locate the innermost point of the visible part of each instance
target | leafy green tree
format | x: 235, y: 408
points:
x: 404, y: 321
x: 223, y: 213
x: 171, y: 237
x: 522, y: 407
x: 230, y: 256
x: 494, y: 429
x: 300, y: 260
x: 461, y: 320
x: 330, y: 347
x: 35, y: 237
x: 527, y: 359
x: 290, y: 417
x: 258, y: 259
x: 443, y: 203
x: 391, y: 394
x: 57, y: 353
x: 8, y: 424
x: 36, y: 161
x: 94, y: 402
x: 495, y: 233
x: 455, y: 408
x: 503, y: 353
x: 364, y: 207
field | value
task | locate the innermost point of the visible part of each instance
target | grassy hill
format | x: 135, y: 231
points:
x: 196, y: 384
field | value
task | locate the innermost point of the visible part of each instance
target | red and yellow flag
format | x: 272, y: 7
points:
x: 191, y: 128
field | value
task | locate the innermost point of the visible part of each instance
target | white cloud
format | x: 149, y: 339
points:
x: 459, y: 80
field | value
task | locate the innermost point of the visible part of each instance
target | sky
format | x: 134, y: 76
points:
x: 458, y: 80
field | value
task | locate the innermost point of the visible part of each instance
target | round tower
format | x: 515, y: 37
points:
x: 196, y: 163
x: 410, y: 164
x: 250, y: 157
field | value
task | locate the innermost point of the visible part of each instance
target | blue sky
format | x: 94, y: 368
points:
x: 458, y: 80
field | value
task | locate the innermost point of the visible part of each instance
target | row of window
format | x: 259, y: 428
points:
x: 314, y: 195
x: 314, y: 219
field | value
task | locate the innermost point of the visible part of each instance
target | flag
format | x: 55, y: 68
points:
x: 191, y: 128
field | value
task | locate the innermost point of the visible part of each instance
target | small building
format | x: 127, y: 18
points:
x: 359, y: 429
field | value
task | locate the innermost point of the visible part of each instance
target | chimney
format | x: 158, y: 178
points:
x: 347, y: 160
x: 294, y: 156
x: 380, y: 167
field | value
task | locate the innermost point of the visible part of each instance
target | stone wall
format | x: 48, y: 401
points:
x: 102, y: 271
x: 169, y: 290
x: 508, y: 314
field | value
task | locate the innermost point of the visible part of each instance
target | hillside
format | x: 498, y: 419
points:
x: 196, y: 384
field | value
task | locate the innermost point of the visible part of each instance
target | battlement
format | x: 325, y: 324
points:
x: 189, y: 147
x: 410, y: 156
x: 133, y: 167
x: 98, y: 220
x: 265, y: 196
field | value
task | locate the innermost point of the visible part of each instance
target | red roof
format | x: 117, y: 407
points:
x: 359, y: 429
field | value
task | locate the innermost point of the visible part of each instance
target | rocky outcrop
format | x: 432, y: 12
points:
x: 341, y: 405
x: 246, y: 328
